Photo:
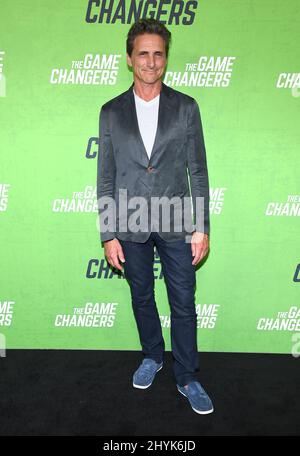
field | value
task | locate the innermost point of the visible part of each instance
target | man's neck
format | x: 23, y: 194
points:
x: 147, y: 91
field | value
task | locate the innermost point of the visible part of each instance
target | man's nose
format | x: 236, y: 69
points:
x: 151, y: 62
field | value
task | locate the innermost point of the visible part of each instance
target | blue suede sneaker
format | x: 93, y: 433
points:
x: 197, y: 397
x: 144, y: 376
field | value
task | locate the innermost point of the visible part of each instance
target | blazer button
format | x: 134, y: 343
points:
x: 149, y: 169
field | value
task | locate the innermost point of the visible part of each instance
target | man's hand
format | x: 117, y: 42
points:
x: 114, y: 253
x: 199, y: 245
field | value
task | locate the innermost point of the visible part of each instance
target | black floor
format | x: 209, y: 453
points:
x: 68, y: 392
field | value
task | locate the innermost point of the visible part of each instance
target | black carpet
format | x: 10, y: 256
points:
x: 72, y: 392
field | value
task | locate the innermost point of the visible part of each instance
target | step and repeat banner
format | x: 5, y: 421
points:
x: 60, y: 61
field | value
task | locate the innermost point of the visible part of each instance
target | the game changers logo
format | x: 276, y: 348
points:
x: 296, y: 277
x: 84, y: 201
x: 93, y: 69
x: 207, y: 315
x: 283, y: 321
x: 4, y: 188
x: 6, y: 312
x: 170, y: 12
x: 91, y: 315
x: 288, y: 80
x: 206, y: 72
x: 92, y: 147
x: 289, y: 208
x: 216, y: 200
x: 101, y: 269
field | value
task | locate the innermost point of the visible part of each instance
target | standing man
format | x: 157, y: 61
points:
x: 150, y: 139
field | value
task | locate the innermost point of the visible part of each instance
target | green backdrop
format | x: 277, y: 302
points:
x: 59, y: 62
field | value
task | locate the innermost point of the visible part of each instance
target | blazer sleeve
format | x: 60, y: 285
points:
x: 106, y: 172
x: 197, y: 167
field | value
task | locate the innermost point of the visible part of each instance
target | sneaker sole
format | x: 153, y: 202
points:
x: 206, y: 412
x: 147, y: 386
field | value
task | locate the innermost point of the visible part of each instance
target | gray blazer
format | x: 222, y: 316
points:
x: 178, y: 153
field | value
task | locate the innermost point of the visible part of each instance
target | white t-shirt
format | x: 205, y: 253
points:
x: 147, y: 114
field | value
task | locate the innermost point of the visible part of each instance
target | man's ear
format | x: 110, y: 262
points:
x: 128, y: 59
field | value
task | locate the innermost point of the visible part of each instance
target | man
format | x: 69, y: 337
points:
x: 150, y: 136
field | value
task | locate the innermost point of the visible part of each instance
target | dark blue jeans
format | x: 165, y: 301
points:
x: 180, y: 278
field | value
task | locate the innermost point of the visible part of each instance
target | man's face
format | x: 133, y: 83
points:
x: 148, y: 59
